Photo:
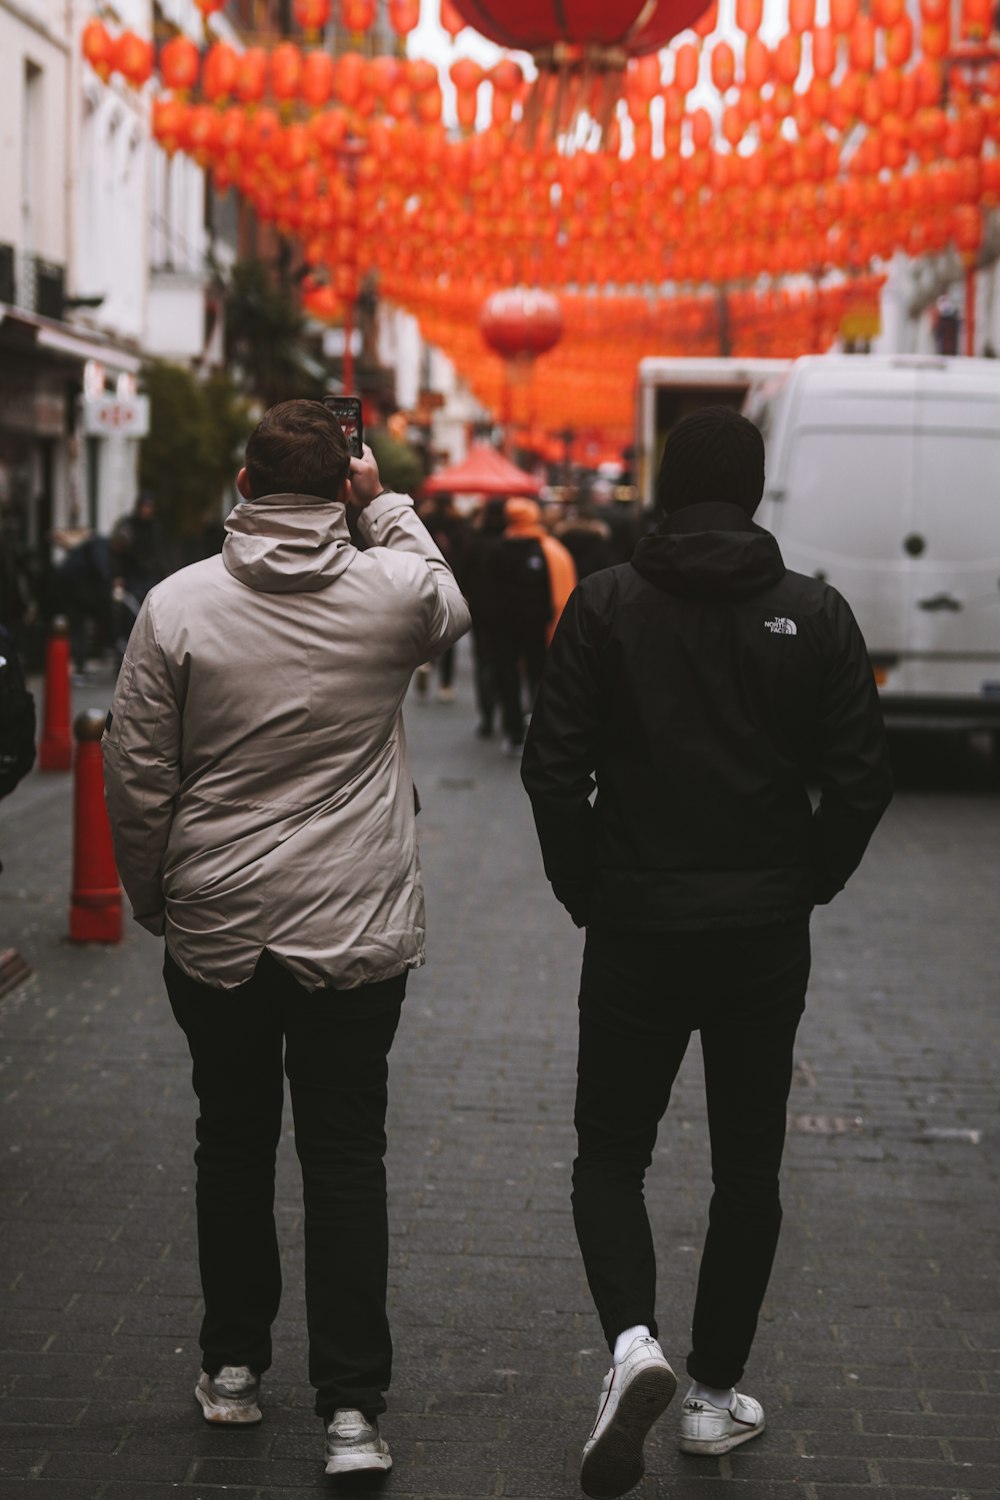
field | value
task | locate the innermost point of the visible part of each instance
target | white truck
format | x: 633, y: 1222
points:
x: 883, y: 476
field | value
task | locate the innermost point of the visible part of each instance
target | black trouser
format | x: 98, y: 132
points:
x: 517, y: 649
x: 335, y: 1045
x: 641, y: 996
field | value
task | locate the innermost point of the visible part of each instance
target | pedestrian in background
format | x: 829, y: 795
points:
x: 480, y: 586
x: 533, y: 577
x: 450, y: 533
x: 698, y: 688
x: 263, y: 817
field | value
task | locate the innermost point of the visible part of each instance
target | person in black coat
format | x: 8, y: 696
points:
x: 700, y: 689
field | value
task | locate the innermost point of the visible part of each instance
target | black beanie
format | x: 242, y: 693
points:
x: 713, y: 454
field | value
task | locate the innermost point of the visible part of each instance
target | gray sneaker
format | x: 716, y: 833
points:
x: 713, y: 1430
x: 634, y: 1394
x: 230, y: 1396
x: 353, y: 1443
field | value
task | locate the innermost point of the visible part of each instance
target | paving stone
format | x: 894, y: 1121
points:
x: 878, y: 1356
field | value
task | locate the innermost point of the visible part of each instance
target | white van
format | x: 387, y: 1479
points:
x: 883, y: 477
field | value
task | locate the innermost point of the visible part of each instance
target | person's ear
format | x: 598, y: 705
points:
x: 243, y: 484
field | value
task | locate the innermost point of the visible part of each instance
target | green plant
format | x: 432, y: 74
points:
x: 194, y: 446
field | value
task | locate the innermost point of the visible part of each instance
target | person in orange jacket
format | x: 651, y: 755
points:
x: 535, y: 576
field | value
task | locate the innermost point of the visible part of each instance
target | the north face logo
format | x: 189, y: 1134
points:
x: 780, y: 626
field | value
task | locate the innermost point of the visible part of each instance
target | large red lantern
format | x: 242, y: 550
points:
x: 631, y: 26
x: 521, y: 323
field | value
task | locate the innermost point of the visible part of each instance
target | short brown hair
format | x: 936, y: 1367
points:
x: 298, y: 448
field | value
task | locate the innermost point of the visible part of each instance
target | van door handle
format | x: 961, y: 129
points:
x: 941, y: 601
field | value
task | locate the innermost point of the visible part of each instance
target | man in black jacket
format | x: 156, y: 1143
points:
x: 700, y: 688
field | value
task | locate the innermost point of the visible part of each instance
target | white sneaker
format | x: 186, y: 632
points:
x: 229, y: 1396
x: 635, y: 1392
x: 715, y: 1429
x: 353, y: 1443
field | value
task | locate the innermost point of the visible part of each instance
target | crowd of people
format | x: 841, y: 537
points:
x: 517, y: 563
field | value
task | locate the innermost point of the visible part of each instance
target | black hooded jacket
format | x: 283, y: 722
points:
x: 703, y: 688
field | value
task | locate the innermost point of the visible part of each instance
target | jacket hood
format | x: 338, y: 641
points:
x: 710, y: 551
x: 287, y: 544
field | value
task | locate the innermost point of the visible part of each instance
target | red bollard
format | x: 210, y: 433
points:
x: 95, y: 913
x: 55, y: 753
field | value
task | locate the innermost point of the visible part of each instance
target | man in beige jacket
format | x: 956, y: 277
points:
x: 263, y: 817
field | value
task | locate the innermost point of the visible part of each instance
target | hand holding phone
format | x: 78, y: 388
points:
x: 347, y: 410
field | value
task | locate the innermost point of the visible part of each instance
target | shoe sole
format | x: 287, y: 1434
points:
x: 714, y: 1447
x: 615, y: 1462
x: 354, y: 1463
x: 226, y: 1416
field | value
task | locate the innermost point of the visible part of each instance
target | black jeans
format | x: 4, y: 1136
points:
x: 641, y: 996
x: 335, y: 1044
x: 518, y: 659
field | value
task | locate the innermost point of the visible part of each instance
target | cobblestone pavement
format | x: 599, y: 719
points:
x: 877, y: 1358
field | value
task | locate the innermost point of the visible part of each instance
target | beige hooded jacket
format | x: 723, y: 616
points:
x: 256, y: 770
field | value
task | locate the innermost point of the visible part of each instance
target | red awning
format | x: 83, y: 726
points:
x: 483, y: 471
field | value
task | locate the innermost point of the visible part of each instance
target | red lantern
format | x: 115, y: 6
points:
x: 169, y: 119
x: 723, y: 66
x: 749, y: 14
x: 209, y: 7
x: 286, y: 71
x: 219, y: 72
x: 357, y: 15
x: 451, y: 21
x: 98, y: 48
x: 311, y: 15
x: 317, y: 78
x: 404, y: 16
x: 521, y: 323
x: 134, y: 58
x: 251, y: 76
x: 179, y: 63
x: 637, y: 26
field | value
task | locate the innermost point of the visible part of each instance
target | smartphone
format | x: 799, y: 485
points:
x: 347, y: 410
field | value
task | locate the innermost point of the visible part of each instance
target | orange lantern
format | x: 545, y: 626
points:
x: 788, y: 58
x: 209, y: 7
x: 311, y: 15
x: 134, y: 58
x: 404, y: 16
x: 899, y: 42
x: 757, y: 62
x: 451, y: 21
x: 179, y: 63
x: 168, y: 122
x: 350, y: 78
x: 98, y: 48
x: 357, y: 15
x: 824, y: 51
x: 749, y: 14
x: 967, y: 231
x: 201, y: 132
x: 327, y: 131
x: 219, y: 72
x: 976, y: 19
x: 466, y: 75
x: 801, y: 15
x: 686, y: 67
x: 861, y: 50
x: 286, y: 71
x: 723, y: 66
x: 843, y: 14
x: 251, y: 75
x: 317, y: 78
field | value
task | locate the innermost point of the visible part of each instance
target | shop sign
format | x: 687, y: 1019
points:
x: 109, y: 415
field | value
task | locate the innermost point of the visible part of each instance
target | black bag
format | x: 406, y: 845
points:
x: 17, y: 718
